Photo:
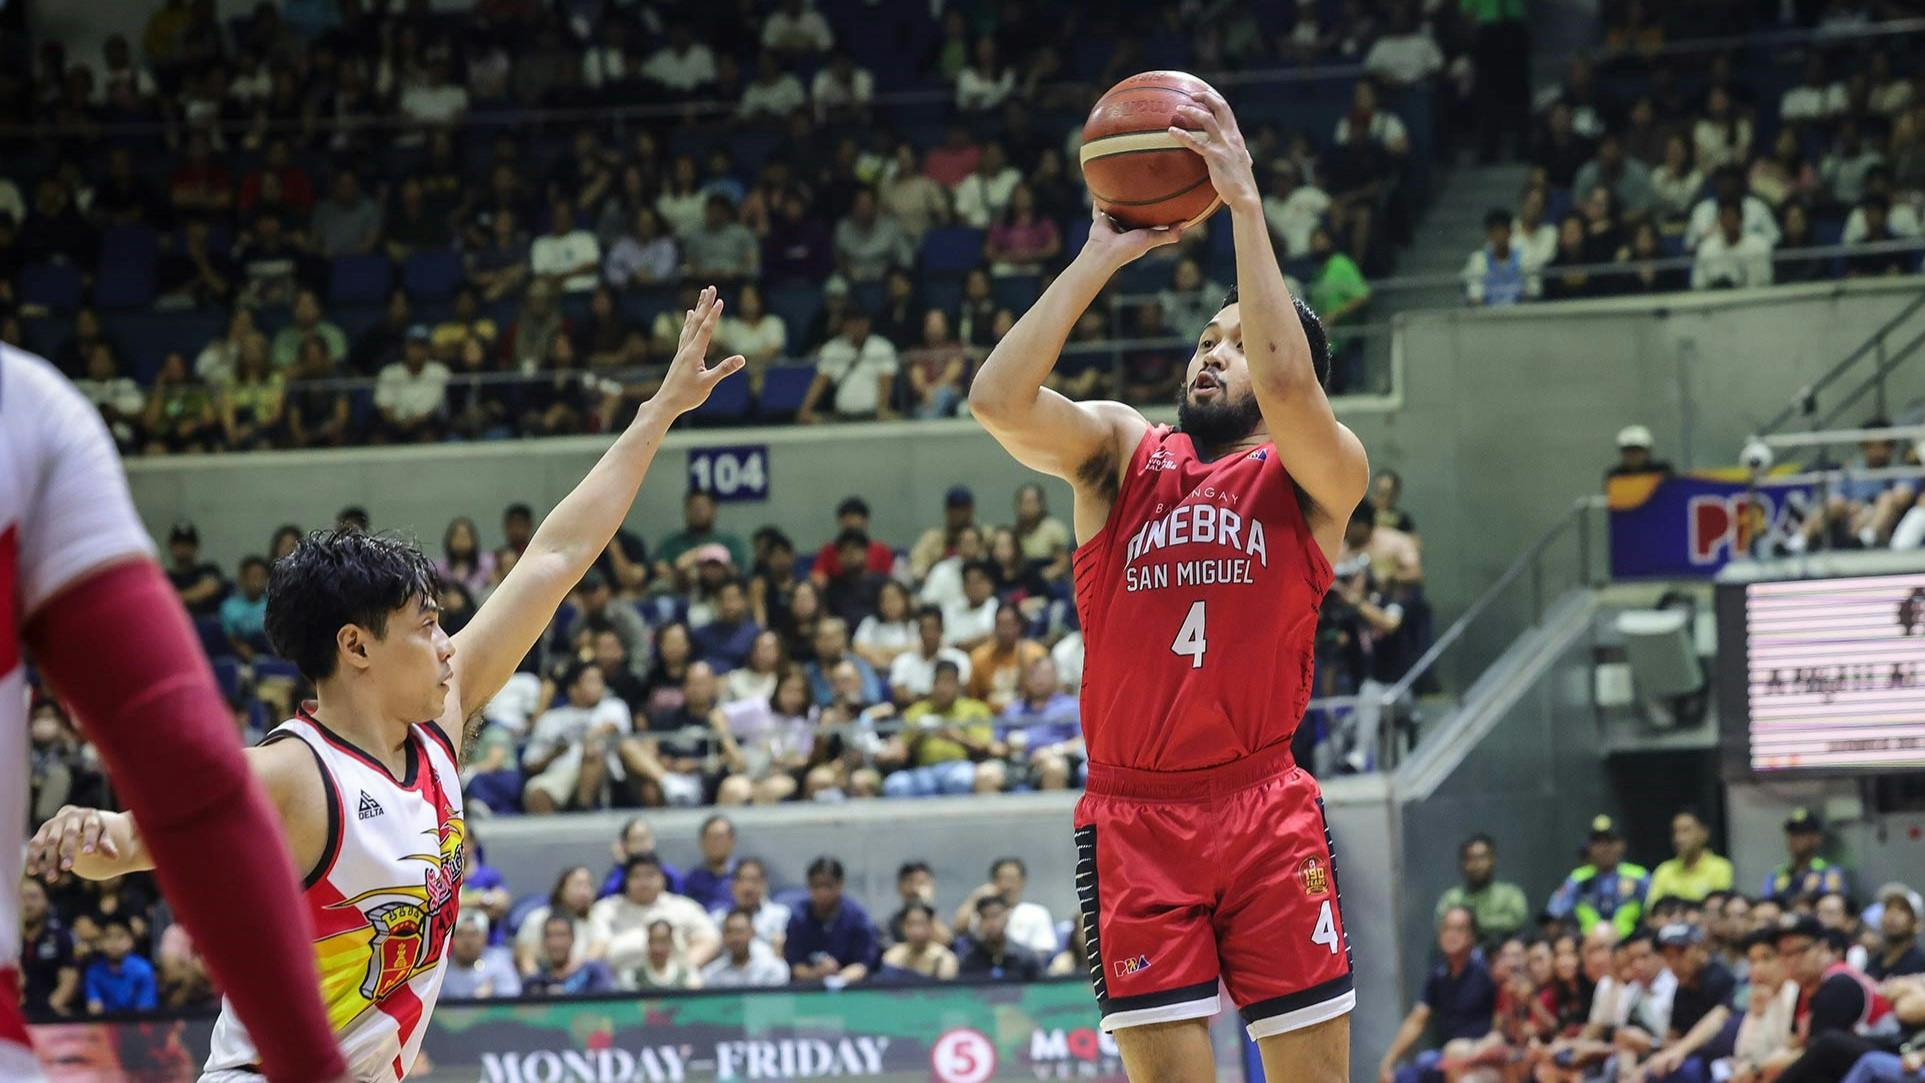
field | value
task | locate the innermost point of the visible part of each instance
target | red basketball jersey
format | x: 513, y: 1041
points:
x: 1199, y: 600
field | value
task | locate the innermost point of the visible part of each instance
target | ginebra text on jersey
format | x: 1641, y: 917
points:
x: 1190, y: 525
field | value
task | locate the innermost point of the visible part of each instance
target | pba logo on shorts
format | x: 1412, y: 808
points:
x: 1126, y: 967
x: 1314, y: 876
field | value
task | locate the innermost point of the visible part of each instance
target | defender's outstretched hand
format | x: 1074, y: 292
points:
x: 690, y: 378
x: 1209, y: 128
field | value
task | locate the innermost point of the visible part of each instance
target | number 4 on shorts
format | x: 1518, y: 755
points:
x: 1326, y: 931
x: 1189, y: 638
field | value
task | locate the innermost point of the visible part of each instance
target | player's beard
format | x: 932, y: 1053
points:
x: 1216, y: 425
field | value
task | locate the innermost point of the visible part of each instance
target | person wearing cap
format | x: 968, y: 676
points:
x: 1606, y: 888
x: 939, y: 542
x: 198, y: 582
x: 1700, y: 1007
x: 1635, y: 456
x: 1499, y: 905
x: 477, y: 971
x: 698, y: 529
x: 1899, y: 954
x: 1806, y: 875
x: 851, y: 514
x: 1695, y: 872
x: 411, y: 395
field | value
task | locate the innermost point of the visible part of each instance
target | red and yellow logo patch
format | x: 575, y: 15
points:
x: 1314, y: 876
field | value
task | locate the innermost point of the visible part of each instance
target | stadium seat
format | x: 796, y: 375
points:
x: 145, y: 337
x: 639, y: 307
x: 867, y: 296
x: 728, y: 402
x: 55, y: 286
x: 227, y: 674
x: 360, y: 280
x: 783, y: 391
x: 1016, y: 292
x: 434, y: 274
x: 128, y: 255
x: 213, y: 638
x: 268, y: 666
x: 945, y: 294
x: 952, y: 250
x: 797, y: 304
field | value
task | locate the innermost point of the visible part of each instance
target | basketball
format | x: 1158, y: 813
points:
x: 1137, y: 172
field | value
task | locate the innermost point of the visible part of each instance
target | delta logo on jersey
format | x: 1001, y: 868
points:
x: 406, y: 929
x: 1125, y: 967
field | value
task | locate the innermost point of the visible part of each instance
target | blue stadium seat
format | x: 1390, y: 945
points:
x: 728, y: 402
x: 783, y: 391
x: 867, y: 296
x: 952, y: 250
x: 362, y: 280
x: 145, y: 338
x: 945, y: 294
x: 433, y: 275
x: 267, y: 665
x: 227, y: 674
x: 213, y: 639
x: 45, y: 335
x: 1016, y: 292
x: 640, y: 306
x: 56, y: 286
x: 128, y: 255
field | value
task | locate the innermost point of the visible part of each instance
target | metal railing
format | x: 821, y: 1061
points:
x: 1374, y: 728
x: 1875, y: 349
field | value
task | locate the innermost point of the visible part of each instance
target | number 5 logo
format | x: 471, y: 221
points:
x: 962, y: 1055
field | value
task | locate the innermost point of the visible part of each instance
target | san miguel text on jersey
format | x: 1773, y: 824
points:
x: 1198, y: 600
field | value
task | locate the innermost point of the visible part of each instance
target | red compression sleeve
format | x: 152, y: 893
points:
x: 119, y: 650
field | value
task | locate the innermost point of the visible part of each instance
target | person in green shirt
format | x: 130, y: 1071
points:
x: 1339, y: 294
x: 1498, y: 905
x: 698, y: 529
x: 1607, y: 888
x: 1696, y: 872
x: 944, y: 737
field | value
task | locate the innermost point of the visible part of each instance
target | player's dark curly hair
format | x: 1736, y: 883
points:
x: 338, y: 577
x: 1312, y: 332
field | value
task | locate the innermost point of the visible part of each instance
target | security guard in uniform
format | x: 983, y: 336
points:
x: 1607, y: 888
x: 1806, y: 875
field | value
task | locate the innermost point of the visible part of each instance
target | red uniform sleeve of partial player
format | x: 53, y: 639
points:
x: 118, y: 649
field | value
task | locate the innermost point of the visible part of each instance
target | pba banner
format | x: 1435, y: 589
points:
x: 1690, y: 525
x: 955, y: 1033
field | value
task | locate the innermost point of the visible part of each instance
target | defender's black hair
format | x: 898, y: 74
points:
x: 338, y: 577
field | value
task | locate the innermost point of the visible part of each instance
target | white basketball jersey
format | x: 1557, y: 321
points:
x: 64, y: 511
x: 382, y: 900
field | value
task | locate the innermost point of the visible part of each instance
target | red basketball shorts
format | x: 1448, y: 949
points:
x: 1185, y: 877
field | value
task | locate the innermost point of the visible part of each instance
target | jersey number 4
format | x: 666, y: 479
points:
x: 1326, y: 931
x: 1189, y: 638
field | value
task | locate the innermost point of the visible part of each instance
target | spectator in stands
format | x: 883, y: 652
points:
x: 308, y: 320
x: 1339, y: 293
x: 937, y: 367
x: 1722, y: 135
x: 252, y: 405
x: 411, y: 395
x: 756, y: 677
x: 914, y: 199
x: 463, y: 560
x: 1022, y: 241
x: 1875, y: 212
x: 912, y: 673
x: 317, y: 412
x: 969, y: 613
x: 1496, y: 273
x: 683, y: 65
x: 709, y: 883
x: 498, y: 266
x: 997, y: 665
x: 831, y: 938
x: 799, y: 247
x: 1806, y: 874
x: 624, y: 922
x: 749, y: 892
x: 244, y: 612
x: 772, y: 94
x: 1815, y: 99
x: 1901, y: 219
x: 1406, y: 54
x: 917, y: 951
x: 571, y: 749
x: 831, y: 642
x: 1627, y: 179
x: 1535, y: 238
x: 868, y: 244
x: 1496, y: 906
x: 567, y: 257
x: 1850, y: 162
x: 643, y: 256
x: 947, y: 738
x: 1898, y: 953
x: 478, y: 970
x: 387, y: 338
x: 180, y: 411
x: 198, y: 582
x: 1191, y: 300
x: 1695, y: 872
x: 1043, y: 729
x: 842, y: 91
x: 795, y: 31
x: 1603, y: 234
x: 1643, y: 250
x: 200, y: 185
x: 750, y: 329
x: 118, y: 980
x: 1293, y: 208
x: 412, y: 225
x: 858, y: 370
x: 852, y: 513
x: 1731, y: 257
x: 727, y: 638
x: 196, y: 273
x: 1784, y: 174
x: 1459, y: 996
x: 1044, y: 539
x: 1635, y: 455
x: 1838, y: 1006
x: 50, y: 980
x: 985, y: 191
x: 570, y: 899
x: 698, y: 529
x: 1566, y: 276
x: 938, y: 543
x: 1676, y: 182
x: 745, y: 961
x: 986, y: 81
x: 1560, y: 150
x: 1386, y: 489
x: 119, y: 399
x: 991, y: 953
x: 724, y: 250
x: 561, y: 969
x: 1700, y: 1007
x: 348, y: 222
x: 889, y: 630
x: 1606, y: 888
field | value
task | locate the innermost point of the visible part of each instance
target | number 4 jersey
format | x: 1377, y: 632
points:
x: 1198, y: 601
